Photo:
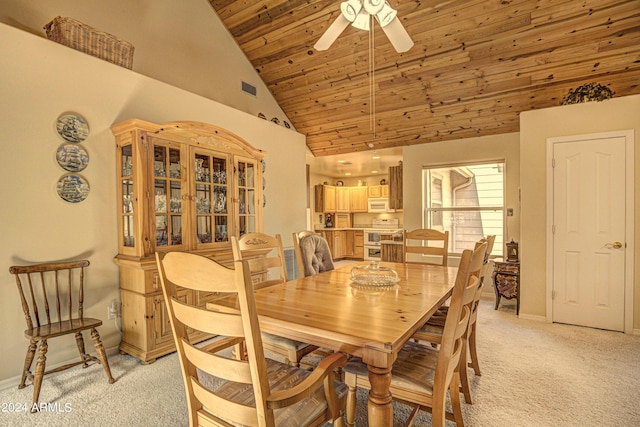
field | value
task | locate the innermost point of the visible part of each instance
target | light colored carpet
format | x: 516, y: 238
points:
x: 533, y: 374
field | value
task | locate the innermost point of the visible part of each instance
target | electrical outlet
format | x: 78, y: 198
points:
x: 112, y: 310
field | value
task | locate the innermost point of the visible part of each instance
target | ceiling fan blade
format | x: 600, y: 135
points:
x: 332, y: 33
x: 398, y: 36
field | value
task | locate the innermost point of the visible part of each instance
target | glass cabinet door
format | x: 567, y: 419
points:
x: 167, y: 196
x: 247, y: 195
x: 126, y: 189
x: 212, y: 181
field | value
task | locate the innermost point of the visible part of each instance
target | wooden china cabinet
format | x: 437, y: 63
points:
x: 182, y: 186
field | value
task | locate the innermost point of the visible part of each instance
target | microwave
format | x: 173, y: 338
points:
x: 379, y: 205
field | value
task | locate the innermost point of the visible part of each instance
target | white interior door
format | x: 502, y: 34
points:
x: 589, y: 233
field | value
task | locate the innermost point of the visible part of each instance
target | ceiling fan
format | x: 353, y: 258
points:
x: 358, y: 14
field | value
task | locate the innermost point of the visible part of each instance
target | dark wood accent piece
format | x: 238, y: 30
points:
x: 506, y: 282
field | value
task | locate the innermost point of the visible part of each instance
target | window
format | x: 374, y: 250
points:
x: 466, y: 200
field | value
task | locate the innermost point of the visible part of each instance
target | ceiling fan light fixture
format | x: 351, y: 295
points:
x: 362, y: 21
x: 374, y: 6
x: 359, y: 13
x: 386, y: 15
x: 351, y: 9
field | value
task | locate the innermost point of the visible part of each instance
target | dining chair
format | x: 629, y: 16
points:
x: 222, y: 390
x: 418, y: 244
x: 264, y: 255
x: 312, y: 253
x: 52, y: 296
x: 433, y: 329
x: 421, y: 373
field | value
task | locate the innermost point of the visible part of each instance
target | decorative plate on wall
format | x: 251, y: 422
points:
x: 72, y: 157
x: 72, y: 127
x: 73, y: 188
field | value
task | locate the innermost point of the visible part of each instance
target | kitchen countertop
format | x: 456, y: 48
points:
x: 390, y: 230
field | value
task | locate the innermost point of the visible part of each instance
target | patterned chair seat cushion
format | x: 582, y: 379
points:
x: 413, y: 370
x: 281, y: 376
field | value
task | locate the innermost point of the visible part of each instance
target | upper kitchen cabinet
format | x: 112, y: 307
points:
x: 378, y: 191
x: 395, y: 187
x: 358, y: 199
x: 342, y: 199
x: 184, y: 186
x: 325, y: 198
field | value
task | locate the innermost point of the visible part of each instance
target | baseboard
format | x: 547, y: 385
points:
x: 14, y: 381
x: 532, y: 317
x: 635, y: 332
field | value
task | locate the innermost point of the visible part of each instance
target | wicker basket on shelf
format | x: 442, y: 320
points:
x: 79, y: 36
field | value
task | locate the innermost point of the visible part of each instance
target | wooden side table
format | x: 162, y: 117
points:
x: 506, y: 281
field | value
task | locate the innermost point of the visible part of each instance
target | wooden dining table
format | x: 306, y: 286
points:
x: 331, y: 311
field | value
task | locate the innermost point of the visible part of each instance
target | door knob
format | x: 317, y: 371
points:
x: 614, y: 245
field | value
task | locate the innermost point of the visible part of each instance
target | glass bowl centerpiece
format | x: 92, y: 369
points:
x: 373, y: 274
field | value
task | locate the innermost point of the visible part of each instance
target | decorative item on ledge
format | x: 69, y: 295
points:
x: 587, y: 92
x: 79, y: 36
x: 512, y: 251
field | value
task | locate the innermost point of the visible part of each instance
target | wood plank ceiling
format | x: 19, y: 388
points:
x: 475, y: 65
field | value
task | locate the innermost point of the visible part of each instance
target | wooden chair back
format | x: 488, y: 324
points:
x: 488, y: 241
x: 419, y: 243
x: 247, y: 398
x: 457, y: 320
x: 51, y: 292
x: 264, y: 255
x: 52, y: 297
x: 195, y: 272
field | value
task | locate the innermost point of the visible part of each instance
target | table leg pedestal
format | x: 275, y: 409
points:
x: 380, y: 409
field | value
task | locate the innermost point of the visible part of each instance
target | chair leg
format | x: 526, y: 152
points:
x: 351, y: 401
x: 37, y: 378
x: 475, y: 364
x: 28, y: 360
x: 80, y: 344
x: 465, y: 387
x: 438, y: 410
x: 455, y: 400
x: 102, y: 355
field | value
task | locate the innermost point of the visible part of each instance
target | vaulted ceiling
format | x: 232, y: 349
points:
x: 475, y: 65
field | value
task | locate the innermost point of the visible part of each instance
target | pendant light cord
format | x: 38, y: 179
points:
x: 372, y: 79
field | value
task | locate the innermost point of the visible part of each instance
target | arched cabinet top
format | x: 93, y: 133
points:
x: 192, y: 133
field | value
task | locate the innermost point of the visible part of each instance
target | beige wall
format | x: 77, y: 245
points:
x: 39, y: 80
x: 535, y: 127
x: 182, y: 43
x: 498, y: 147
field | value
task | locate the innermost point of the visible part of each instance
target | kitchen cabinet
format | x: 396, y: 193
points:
x: 342, y: 199
x: 391, y: 251
x: 345, y: 243
x: 358, y: 199
x: 395, y: 187
x: 353, y: 244
x: 335, y: 240
x: 181, y: 186
x: 378, y: 191
x: 348, y: 243
x: 358, y: 244
x: 325, y: 198
x: 342, y: 220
